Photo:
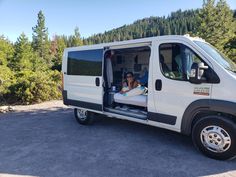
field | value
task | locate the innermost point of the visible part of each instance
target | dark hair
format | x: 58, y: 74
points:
x: 131, y: 73
x: 134, y: 80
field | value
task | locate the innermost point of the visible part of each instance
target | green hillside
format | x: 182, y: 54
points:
x: 179, y: 22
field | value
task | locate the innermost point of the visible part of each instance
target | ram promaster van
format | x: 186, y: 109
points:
x: 184, y: 85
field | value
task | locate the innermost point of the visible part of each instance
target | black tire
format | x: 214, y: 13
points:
x: 208, y: 131
x: 86, y: 120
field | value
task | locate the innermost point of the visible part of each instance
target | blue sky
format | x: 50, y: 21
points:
x: 17, y: 16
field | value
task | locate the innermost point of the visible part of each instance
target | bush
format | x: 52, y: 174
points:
x: 7, y: 78
x: 35, y: 87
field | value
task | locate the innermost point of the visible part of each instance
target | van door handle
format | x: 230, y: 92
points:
x: 158, y: 85
x: 97, y: 81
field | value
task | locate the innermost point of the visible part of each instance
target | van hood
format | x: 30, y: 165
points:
x: 233, y: 74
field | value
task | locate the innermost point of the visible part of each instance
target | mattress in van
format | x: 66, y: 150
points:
x: 138, y: 100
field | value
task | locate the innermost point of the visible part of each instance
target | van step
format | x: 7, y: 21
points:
x: 129, y: 112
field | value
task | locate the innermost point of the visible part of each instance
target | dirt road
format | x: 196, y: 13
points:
x: 45, y: 140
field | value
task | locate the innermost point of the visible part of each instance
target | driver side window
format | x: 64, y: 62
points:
x: 176, y: 60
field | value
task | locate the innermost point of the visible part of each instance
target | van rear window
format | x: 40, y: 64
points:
x: 86, y: 62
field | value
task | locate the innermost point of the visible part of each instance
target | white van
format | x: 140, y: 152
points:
x: 186, y: 86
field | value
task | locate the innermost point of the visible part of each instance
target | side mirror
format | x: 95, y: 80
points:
x: 197, y: 71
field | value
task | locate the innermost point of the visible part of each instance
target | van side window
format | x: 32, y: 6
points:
x: 176, y: 60
x: 85, y: 63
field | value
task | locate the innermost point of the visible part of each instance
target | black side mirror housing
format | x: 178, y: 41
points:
x: 197, y: 71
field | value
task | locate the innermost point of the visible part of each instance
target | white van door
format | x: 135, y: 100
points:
x: 83, y: 81
x: 172, y: 91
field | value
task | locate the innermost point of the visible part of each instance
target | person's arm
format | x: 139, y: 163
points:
x: 123, y: 85
x: 122, y: 92
x: 136, y: 84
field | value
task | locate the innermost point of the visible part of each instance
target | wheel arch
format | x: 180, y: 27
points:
x: 205, y: 107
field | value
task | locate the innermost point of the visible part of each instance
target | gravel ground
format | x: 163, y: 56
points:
x: 49, y: 105
x: 45, y: 140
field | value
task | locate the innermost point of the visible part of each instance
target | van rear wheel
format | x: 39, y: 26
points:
x: 83, y: 116
x: 215, y: 136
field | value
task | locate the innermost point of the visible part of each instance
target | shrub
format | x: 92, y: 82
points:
x: 7, y: 78
x: 35, y: 87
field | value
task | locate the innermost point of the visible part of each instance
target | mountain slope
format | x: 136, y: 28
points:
x: 179, y: 22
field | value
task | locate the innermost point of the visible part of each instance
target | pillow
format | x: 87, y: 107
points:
x: 136, y: 91
x: 125, y: 89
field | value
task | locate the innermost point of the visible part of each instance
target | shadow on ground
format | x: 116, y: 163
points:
x: 51, y: 143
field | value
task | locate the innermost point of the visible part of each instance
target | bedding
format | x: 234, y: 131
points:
x: 138, y: 100
x: 136, y: 91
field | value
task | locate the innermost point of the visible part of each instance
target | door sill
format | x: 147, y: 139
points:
x: 134, y: 113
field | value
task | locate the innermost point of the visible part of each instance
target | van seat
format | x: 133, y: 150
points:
x: 138, y: 100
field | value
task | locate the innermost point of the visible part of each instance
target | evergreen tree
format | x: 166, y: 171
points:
x: 40, y: 41
x: 216, y: 23
x: 75, y: 39
x: 58, y: 45
x: 23, y: 56
x: 179, y: 22
x: 6, y: 75
x: 6, y: 51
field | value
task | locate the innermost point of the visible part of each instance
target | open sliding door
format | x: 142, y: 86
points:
x: 83, y: 79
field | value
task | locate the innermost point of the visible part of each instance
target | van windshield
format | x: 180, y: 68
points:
x: 217, y: 56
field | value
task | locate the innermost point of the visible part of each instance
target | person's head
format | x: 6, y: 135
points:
x: 130, y: 76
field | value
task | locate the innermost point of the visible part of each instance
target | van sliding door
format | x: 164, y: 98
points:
x: 83, y: 79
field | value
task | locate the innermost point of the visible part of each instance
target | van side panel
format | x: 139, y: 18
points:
x: 82, y: 70
x: 173, y: 96
x: 80, y: 104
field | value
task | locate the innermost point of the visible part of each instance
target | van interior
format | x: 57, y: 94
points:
x: 118, y: 63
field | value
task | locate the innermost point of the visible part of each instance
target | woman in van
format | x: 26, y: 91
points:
x: 129, y: 84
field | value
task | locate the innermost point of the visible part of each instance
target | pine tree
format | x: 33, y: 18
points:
x: 25, y: 58
x: 23, y: 54
x: 40, y: 41
x: 58, y: 44
x: 216, y: 23
x: 75, y: 39
x: 6, y: 51
x: 6, y: 75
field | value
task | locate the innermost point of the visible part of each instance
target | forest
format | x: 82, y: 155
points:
x: 30, y: 68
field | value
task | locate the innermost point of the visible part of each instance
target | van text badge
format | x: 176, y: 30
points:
x: 205, y: 91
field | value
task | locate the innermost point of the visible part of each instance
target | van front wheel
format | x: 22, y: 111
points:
x: 83, y: 117
x: 215, y: 136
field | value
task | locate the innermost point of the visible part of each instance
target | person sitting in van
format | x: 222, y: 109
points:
x: 129, y: 83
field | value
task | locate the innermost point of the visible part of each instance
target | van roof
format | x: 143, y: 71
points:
x: 134, y: 41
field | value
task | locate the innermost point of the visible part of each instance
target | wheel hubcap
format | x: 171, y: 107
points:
x: 215, y: 139
x: 82, y: 114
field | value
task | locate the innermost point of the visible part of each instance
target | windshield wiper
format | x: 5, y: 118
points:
x: 229, y: 69
x: 234, y: 71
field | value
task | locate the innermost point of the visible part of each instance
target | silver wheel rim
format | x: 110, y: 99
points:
x: 215, y: 139
x: 82, y: 114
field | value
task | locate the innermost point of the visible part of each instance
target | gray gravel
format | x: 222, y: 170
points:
x: 49, y: 142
